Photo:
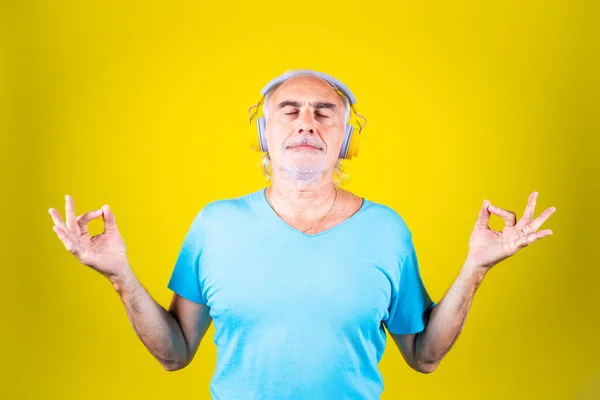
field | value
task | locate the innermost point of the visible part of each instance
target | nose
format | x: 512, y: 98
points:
x: 306, y: 128
x: 306, y: 125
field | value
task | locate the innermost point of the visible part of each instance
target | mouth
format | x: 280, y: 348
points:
x: 305, y: 147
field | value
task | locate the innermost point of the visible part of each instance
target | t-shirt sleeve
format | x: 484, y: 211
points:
x: 410, y: 304
x: 184, y: 278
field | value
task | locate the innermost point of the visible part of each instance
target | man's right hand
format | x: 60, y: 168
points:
x: 105, y: 253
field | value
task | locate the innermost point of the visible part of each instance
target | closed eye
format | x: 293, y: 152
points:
x: 317, y: 114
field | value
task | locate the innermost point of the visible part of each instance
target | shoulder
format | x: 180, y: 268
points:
x: 386, y: 220
x: 227, y: 209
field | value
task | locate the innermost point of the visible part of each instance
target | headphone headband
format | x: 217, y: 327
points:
x: 343, y: 88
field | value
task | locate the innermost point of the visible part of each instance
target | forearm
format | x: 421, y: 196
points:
x: 448, y: 317
x: 156, y: 327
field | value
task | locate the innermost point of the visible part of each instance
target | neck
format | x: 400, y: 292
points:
x: 301, y: 200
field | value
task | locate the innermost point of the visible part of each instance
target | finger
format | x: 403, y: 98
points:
x: 56, y: 218
x: 83, y: 219
x: 70, y: 215
x: 484, y: 215
x: 59, y: 232
x: 66, y: 238
x: 535, y: 225
x: 110, y: 224
x: 544, y: 233
x: 525, y: 241
x: 509, y: 217
x: 529, y: 211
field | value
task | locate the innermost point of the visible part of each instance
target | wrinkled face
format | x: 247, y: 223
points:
x: 305, y: 128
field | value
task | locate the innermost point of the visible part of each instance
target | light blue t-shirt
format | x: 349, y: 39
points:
x: 300, y: 316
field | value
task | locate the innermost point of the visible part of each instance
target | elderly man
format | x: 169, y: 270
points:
x: 301, y: 277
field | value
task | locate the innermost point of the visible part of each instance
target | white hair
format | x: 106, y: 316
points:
x: 340, y: 175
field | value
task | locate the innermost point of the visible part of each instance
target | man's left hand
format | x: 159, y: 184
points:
x: 488, y: 247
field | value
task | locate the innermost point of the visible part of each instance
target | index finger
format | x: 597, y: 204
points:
x: 509, y: 217
x: 83, y: 220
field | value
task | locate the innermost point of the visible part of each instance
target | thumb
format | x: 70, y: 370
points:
x: 483, y: 218
x: 110, y: 224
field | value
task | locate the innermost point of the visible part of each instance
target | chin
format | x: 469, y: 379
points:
x: 308, y: 172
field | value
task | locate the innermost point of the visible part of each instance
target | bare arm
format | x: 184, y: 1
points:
x: 424, y: 351
x: 171, y: 336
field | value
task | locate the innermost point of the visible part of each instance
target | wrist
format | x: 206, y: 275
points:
x: 474, y: 270
x: 122, y: 279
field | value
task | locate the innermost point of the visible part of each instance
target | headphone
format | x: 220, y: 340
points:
x: 351, y: 142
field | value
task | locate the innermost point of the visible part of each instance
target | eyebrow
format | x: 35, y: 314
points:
x: 318, y: 104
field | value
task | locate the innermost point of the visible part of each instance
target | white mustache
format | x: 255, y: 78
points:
x: 305, y: 141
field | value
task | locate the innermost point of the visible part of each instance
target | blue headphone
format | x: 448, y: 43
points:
x: 351, y: 142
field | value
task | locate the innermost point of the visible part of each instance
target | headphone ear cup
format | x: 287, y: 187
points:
x: 355, y: 143
x: 262, y: 133
x: 346, y: 142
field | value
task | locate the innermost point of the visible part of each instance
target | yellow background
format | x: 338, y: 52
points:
x: 142, y: 106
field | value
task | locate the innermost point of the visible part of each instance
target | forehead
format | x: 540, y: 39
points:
x: 305, y: 88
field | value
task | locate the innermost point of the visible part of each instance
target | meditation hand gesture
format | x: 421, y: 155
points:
x: 487, y: 247
x: 105, y: 252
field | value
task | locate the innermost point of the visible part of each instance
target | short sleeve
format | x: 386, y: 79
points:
x: 410, y: 304
x: 184, y: 278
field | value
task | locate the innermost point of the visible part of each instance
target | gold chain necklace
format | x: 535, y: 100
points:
x: 316, y: 223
